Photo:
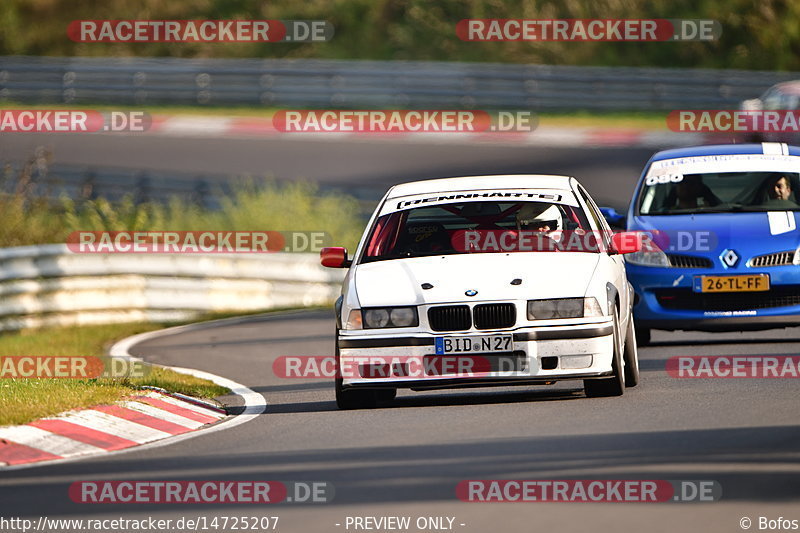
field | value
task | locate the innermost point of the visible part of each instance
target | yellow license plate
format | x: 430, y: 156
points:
x: 750, y: 283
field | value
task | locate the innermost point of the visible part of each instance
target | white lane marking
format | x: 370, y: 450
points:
x: 254, y: 403
x: 198, y: 125
x: 47, y: 441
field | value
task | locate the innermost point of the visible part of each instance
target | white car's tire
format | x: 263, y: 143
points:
x: 630, y: 356
x: 615, y: 385
x: 360, y: 398
x: 354, y: 399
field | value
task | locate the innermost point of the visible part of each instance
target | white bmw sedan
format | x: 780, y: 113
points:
x: 484, y: 281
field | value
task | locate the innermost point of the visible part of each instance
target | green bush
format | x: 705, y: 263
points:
x: 273, y: 206
x: 763, y: 34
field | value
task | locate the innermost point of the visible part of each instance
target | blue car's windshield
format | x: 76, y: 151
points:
x: 679, y: 194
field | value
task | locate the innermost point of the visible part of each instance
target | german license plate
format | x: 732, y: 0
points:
x: 749, y: 283
x: 473, y: 344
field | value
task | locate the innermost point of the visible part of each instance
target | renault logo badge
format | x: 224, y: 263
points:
x: 729, y: 258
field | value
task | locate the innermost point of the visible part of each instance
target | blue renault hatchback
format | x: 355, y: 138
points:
x: 722, y: 249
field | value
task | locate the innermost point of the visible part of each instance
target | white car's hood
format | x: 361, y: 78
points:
x: 543, y: 274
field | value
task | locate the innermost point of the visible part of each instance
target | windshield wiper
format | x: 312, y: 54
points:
x: 722, y: 208
x: 739, y: 208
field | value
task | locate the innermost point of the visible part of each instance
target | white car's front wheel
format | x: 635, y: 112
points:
x: 615, y: 385
x: 630, y: 356
x: 360, y: 398
x: 354, y: 399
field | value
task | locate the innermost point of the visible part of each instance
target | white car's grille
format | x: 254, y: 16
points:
x: 450, y: 318
x: 483, y: 316
x: 494, y: 316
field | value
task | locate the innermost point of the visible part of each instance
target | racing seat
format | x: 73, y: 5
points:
x: 694, y: 189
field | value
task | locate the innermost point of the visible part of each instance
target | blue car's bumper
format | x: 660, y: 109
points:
x: 665, y: 300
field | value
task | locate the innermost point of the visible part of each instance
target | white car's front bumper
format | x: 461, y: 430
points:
x: 537, y: 355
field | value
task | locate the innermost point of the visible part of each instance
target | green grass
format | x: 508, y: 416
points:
x: 585, y: 119
x: 24, y: 400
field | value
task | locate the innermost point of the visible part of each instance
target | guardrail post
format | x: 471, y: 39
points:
x: 142, y: 189
x: 198, y: 196
x: 87, y: 191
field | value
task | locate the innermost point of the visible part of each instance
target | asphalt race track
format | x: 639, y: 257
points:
x: 406, y: 460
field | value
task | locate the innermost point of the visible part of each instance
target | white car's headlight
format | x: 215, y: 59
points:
x: 390, y: 317
x: 563, y: 308
x: 403, y: 317
x: 375, y: 318
x: 650, y: 255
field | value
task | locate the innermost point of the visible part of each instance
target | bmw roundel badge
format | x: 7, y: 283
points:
x: 471, y: 292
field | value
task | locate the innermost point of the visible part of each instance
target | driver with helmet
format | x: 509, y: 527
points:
x: 539, y: 217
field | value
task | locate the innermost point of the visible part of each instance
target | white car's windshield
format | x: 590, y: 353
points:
x: 679, y: 194
x: 472, y: 227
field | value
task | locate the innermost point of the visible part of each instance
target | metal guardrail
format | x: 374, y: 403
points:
x: 393, y: 84
x: 38, y: 178
x: 49, y: 285
x: 80, y: 182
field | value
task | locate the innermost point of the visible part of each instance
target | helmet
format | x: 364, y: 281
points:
x: 534, y: 215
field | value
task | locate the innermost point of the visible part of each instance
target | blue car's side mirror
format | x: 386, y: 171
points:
x: 614, y: 219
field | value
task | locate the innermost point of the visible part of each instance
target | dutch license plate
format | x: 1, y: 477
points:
x: 749, y: 283
x: 473, y: 344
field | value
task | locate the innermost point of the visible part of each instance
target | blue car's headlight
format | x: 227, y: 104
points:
x: 650, y: 255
